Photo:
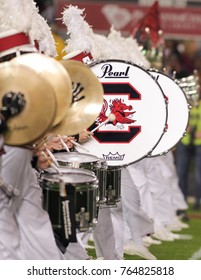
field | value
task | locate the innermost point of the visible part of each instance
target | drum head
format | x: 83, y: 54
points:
x: 75, y: 176
x: 75, y: 157
x: 140, y: 109
x: 178, y: 113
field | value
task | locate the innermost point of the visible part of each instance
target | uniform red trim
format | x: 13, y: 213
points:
x: 13, y: 41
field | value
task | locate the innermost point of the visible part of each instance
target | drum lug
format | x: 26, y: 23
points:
x: 83, y: 219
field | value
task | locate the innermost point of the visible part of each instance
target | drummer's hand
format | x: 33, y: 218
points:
x: 43, y: 161
x: 67, y: 140
x: 84, y: 136
x: 38, y: 149
x: 54, y: 144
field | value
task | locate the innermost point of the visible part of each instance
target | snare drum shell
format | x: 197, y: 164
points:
x: 80, y: 184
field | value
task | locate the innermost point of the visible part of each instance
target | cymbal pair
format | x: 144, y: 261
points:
x: 62, y: 97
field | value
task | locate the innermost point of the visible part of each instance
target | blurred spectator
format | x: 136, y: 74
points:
x: 180, y: 59
x: 188, y: 149
x: 176, y: 60
x: 46, y: 9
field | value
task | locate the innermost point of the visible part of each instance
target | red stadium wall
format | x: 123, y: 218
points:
x: 175, y: 22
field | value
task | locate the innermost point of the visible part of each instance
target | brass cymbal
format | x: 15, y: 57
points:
x: 39, y: 112
x: 50, y: 69
x: 87, y: 99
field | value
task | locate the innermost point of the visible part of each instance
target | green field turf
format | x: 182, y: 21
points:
x: 182, y: 249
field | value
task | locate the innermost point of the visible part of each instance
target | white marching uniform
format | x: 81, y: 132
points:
x: 34, y: 227
x: 137, y: 173
x: 161, y: 195
x: 139, y: 223
x: 10, y: 238
x: 108, y: 233
x: 178, y: 200
x: 163, y: 186
x: 75, y: 251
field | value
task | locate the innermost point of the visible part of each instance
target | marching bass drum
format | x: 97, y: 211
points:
x: 178, y: 113
x: 137, y: 101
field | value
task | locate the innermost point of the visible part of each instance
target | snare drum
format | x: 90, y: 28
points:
x: 81, y: 186
x: 90, y: 162
x: 77, y: 160
x: 139, y: 105
x: 178, y: 113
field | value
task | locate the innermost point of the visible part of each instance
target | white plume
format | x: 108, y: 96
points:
x: 102, y: 48
x: 15, y: 15
x: 23, y: 16
x: 114, y: 46
x: 127, y: 48
x: 41, y: 32
x: 80, y: 34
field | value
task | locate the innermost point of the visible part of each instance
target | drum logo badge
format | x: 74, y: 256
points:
x: 114, y: 157
x: 119, y: 100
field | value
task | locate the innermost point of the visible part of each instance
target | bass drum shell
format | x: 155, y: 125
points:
x: 141, y: 113
x: 178, y: 113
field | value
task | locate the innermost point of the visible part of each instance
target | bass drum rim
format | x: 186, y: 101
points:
x: 158, y: 151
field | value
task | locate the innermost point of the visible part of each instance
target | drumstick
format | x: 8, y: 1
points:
x: 64, y: 144
x: 77, y: 144
x: 110, y: 118
x: 52, y: 157
x: 51, y: 163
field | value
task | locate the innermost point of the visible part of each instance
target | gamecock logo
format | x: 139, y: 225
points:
x: 119, y: 109
x: 117, y: 100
